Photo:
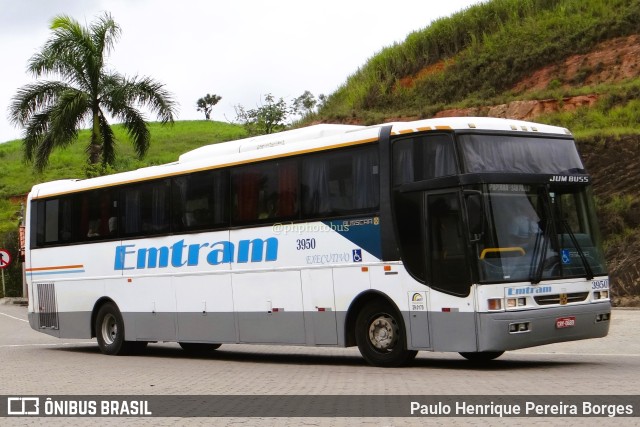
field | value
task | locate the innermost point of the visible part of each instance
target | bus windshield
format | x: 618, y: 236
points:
x: 519, y: 154
x: 538, y: 232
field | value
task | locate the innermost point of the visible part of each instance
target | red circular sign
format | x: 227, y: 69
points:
x: 5, y: 258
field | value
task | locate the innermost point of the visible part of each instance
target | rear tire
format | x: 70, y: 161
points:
x: 481, y: 356
x: 199, y: 348
x: 109, y: 329
x: 381, y: 336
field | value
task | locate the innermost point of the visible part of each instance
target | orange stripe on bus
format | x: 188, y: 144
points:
x: 57, y: 267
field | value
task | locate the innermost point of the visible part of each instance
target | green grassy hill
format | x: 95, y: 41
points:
x: 167, y: 143
x: 476, y: 57
x: 572, y: 63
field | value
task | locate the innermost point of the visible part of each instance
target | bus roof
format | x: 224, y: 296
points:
x: 267, y: 141
x: 480, y: 123
x: 287, y: 143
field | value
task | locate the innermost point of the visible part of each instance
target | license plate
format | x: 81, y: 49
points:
x: 565, y: 322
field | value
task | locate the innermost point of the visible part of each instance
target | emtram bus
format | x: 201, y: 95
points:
x: 468, y: 235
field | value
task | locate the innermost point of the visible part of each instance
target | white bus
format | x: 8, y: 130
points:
x: 468, y: 235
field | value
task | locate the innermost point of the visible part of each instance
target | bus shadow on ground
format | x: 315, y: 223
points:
x: 428, y: 360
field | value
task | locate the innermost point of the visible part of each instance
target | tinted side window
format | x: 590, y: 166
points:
x: 411, y: 235
x: 340, y: 182
x: 145, y: 208
x: 265, y: 191
x: 200, y: 201
x: 97, y: 215
x: 57, y: 221
x: 423, y: 157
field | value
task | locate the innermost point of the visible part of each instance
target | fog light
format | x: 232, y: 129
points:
x: 515, y: 328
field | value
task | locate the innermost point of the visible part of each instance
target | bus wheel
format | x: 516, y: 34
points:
x: 110, y: 332
x: 482, y: 356
x: 198, y: 348
x: 381, y: 337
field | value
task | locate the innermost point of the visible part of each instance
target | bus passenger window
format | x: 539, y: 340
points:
x: 340, y: 183
x: 200, y: 200
x: 266, y: 191
x: 146, y: 208
x: 424, y: 157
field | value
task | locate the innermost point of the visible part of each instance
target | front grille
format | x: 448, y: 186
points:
x: 557, y: 298
x: 47, y: 306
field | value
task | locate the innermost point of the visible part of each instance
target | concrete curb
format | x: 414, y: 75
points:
x: 14, y: 301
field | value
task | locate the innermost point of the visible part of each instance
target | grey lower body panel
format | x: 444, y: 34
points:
x: 436, y: 331
x: 494, y: 335
x: 75, y: 324
x: 315, y: 328
x: 472, y: 332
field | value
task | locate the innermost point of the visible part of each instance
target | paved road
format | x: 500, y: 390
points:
x: 37, y: 364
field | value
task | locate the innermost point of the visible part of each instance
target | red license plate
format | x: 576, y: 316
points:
x: 565, y: 322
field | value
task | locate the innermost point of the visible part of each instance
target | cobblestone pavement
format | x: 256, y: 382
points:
x: 37, y: 364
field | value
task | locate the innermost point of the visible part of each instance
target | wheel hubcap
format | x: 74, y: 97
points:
x: 383, y: 333
x: 109, y: 329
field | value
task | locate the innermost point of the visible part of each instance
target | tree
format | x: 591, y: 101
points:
x: 206, y: 103
x: 52, y: 111
x: 306, y: 104
x: 268, y: 118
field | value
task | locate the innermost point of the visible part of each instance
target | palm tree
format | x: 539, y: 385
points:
x: 51, y: 112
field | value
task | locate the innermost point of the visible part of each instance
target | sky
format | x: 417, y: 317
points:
x: 238, y: 49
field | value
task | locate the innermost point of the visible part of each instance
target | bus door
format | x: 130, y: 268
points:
x: 448, y: 271
x: 446, y: 249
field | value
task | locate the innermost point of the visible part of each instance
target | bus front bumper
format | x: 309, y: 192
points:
x: 528, y: 328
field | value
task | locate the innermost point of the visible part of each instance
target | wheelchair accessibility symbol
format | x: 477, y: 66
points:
x: 566, y: 259
x: 357, y: 255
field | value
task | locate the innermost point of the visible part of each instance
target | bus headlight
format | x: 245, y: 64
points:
x: 600, y: 294
x: 516, y: 302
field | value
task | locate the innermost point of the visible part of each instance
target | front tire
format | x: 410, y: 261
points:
x: 381, y: 336
x: 109, y: 329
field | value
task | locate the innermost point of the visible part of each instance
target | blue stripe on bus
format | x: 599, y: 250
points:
x: 45, y: 273
x: 363, y: 232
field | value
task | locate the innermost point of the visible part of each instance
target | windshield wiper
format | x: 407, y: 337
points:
x: 583, y: 258
x: 546, y: 236
x: 537, y: 276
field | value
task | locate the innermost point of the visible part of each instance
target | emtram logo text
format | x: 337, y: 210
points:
x: 179, y: 254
